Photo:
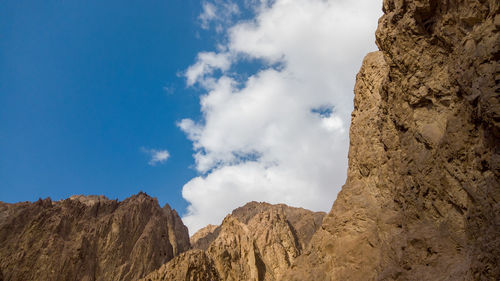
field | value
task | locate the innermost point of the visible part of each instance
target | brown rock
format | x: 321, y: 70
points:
x: 192, y: 265
x: 88, y: 238
x: 258, y: 241
x: 350, y: 231
x: 304, y: 222
x: 421, y: 200
x: 203, y: 237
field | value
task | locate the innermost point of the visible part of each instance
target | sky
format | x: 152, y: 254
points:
x: 205, y: 105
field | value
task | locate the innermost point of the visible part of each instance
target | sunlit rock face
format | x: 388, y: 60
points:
x: 421, y: 198
x: 258, y: 241
x: 88, y: 238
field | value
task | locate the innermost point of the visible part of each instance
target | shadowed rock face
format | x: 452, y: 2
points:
x: 258, y: 241
x: 88, y: 238
x: 421, y: 201
x: 203, y: 237
x: 192, y: 265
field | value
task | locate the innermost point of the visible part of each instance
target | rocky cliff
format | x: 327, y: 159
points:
x: 88, y: 238
x: 258, y: 241
x: 421, y: 201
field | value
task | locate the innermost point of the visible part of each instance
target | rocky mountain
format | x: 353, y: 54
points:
x: 258, y: 241
x: 88, y: 238
x: 422, y: 198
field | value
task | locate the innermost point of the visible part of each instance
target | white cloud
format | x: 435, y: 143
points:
x: 207, y: 63
x: 208, y: 14
x: 220, y: 12
x: 157, y: 156
x: 281, y: 136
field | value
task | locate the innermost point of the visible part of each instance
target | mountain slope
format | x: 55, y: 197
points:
x: 258, y: 241
x: 88, y: 238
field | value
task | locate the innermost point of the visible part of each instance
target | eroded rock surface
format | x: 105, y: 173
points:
x: 203, y: 237
x: 193, y: 265
x: 88, y: 238
x: 421, y: 201
x: 258, y: 241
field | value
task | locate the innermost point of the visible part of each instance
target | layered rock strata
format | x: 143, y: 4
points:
x: 422, y: 197
x: 88, y: 238
x: 258, y: 241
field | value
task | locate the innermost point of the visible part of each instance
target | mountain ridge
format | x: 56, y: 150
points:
x: 88, y: 238
x: 258, y: 241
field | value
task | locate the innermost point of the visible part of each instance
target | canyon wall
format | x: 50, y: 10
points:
x: 88, y: 238
x: 258, y: 241
x: 421, y: 201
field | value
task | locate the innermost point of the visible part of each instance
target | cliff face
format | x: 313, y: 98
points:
x: 88, y: 238
x: 258, y: 241
x: 421, y: 201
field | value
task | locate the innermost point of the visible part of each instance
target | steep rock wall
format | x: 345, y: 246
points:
x: 421, y: 201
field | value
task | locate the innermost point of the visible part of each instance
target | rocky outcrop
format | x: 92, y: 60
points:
x: 258, y: 241
x: 303, y: 222
x: 421, y: 200
x: 203, y: 237
x: 88, y: 238
x: 193, y: 265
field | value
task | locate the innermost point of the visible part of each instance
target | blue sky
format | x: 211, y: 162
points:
x: 85, y: 85
x: 205, y: 104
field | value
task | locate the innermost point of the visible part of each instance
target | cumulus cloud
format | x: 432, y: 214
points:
x: 281, y: 135
x: 157, y: 156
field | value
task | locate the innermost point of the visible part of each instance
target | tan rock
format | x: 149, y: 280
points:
x: 88, y: 238
x: 421, y: 198
x: 258, y: 241
x: 203, y: 237
x: 192, y: 265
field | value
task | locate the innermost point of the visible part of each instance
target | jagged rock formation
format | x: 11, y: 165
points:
x: 421, y: 201
x: 203, y: 237
x: 193, y: 265
x: 258, y: 241
x: 88, y: 238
